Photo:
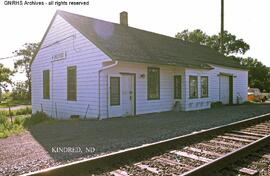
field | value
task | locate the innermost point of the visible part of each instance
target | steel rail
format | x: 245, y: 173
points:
x: 116, y: 159
x: 229, y: 158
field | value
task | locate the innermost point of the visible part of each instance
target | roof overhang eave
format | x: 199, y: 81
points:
x: 202, y: 66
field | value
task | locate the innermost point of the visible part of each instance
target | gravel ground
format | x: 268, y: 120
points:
x: 255, y: 161
x: 37, y: 149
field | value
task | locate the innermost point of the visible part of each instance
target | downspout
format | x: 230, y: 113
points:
x: 99, y: 71
x: 52, y: 88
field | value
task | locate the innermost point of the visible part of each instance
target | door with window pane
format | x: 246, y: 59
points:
x: 127, y: 95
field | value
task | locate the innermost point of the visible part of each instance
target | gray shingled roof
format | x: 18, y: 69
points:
x: 126, y: 43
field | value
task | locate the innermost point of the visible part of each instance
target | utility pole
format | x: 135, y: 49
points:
x: 222, y: 28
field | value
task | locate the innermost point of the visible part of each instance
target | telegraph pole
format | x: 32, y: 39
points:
x: 222, y: 28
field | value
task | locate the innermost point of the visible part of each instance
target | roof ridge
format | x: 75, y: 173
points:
x: 62, y: 11
x: 138, y: 45
x: 130, y: 27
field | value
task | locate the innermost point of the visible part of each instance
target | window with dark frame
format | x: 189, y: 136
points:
x: 72, y: 83
x: 114, y: 91
x: 193, y: 87
x: 46, y: 84
x: 204, y: 86
x: 153, y: 83
x: 178, y: 87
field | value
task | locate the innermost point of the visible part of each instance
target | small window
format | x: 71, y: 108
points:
x: 204, y: 86
x: 153, y: 83
x: 115, y: 91
x: 72, y: 83
x: 193, y: 87
x: 46, y: 84
x: 178, y: 87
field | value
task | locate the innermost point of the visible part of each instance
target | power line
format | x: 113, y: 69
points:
x: 9, y: 57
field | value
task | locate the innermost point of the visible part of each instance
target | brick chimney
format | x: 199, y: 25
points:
x: 124, y: 18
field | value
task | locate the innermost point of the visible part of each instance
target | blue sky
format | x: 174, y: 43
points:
x: 247, y: 19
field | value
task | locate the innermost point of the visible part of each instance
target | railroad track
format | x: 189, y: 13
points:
x: 257, y: 163
x: 201, y: 153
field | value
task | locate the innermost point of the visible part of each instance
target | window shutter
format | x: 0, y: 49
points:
x: 46, y: 84
x: 115, y: 91
x: 153, y: 83
x: 72, y: 83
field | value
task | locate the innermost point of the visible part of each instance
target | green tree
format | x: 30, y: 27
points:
x: 5, y: 76
x: 232, y: 45
x: 23, y: 63
x: 19, y: 91
x: 259, y: 74
x: 196, y: 36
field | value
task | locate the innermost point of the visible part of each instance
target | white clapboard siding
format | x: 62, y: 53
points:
x: 197, y: 103
x: 81, y: 53
x: 89, y: 59
x: 166, y: 101
x: 240, y: 86
x: 240, y: 83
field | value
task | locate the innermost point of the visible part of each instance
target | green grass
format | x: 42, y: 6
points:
x: 22, y: 111
x: 8, y: 128
x: 21, y: 122
x: 8, y: 102
x: 36, y: 118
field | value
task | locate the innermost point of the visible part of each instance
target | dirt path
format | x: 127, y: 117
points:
x: 16, y: 107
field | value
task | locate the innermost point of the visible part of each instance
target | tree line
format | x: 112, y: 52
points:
x: 259, y: 74
x: 20, y: 89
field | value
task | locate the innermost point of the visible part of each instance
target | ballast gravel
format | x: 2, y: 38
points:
x: 37, y: 148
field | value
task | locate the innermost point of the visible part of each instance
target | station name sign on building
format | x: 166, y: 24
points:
x: 59, y: 56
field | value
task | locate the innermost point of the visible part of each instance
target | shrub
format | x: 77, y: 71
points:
x: 4, y: 113
x: 20, y: 123
x: 74, y: 117
x: 5, y: 122
x: 7, y: 128
x: 36, y: 118
x: 23, y: 111
x: 19, y: 120
x: 3, y: 119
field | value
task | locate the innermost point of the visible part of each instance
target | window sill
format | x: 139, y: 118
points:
x: 72, y: 100
x: 153, y: 99
x: 193, y: 97
x: 205, y: 97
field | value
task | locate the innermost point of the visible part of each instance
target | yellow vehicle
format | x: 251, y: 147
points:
x: 254, y: 94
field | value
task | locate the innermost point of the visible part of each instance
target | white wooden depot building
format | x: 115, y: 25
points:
x: 98, y: 69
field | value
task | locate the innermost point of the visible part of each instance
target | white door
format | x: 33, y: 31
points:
x: 224, y: 89
x: 127, y: 95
